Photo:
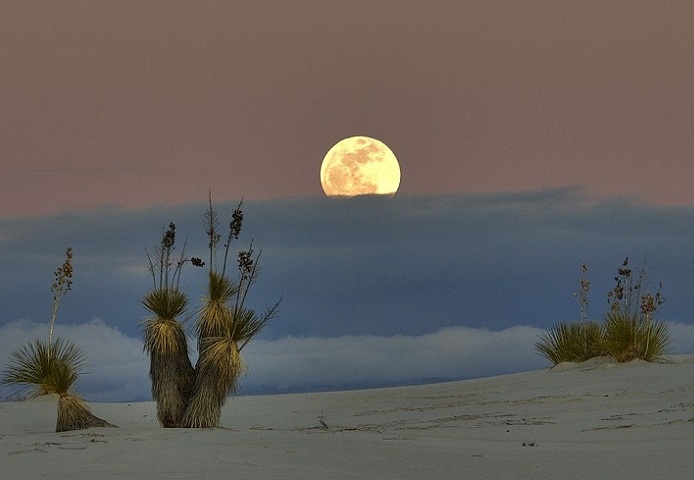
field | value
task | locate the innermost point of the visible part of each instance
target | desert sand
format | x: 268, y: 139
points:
x: 585, y: 421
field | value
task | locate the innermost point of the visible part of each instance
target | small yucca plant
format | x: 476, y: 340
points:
x: 630, y: 330
x: 170, y: 369
x: 572, y: 342
x: 48, y: 368
x: 627, y: 337
x: 52, y: 367
x: 165, y: 341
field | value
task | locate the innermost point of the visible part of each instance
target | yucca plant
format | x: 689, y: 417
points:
x: 52, y: 367
x: 628, y: 337
x: 224, y: 332
x: 572, y: 342
x: 219, y: 363
x: 190, y: 396
x: 627, y: 332
x: 170, y: 371
x: 49, y: 368
x: 630, y: 330
x: 224, y: 325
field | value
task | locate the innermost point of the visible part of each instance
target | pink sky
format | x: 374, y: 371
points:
x: 148, y: 103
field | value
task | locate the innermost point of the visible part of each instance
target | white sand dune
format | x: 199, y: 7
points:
x: 595, y: 420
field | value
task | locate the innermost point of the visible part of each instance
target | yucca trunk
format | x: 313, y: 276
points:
x: 170, y: 369
x: 219, y: 363
x: 219, y: 367
x: 73, y: 414
x: 205, y: 407
x: 171, y: 374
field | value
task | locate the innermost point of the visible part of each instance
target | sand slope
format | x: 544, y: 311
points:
x: 596, y: 420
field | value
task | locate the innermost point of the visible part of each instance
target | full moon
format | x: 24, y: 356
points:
x: 359, y: 166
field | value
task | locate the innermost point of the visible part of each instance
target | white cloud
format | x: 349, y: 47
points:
x: 451, y: 353
x: 119, y: 369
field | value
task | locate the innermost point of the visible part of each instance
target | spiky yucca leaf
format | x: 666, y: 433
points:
x: 163, y: 333
x: 222, y: 353
x: 220, y: 288
x: 48, y: 367
x: 656, y: 340
x: 168, y: 302
x: 247, y: 323
x: 53, y: 368
x: 622, y: 336
x: 214, y: 318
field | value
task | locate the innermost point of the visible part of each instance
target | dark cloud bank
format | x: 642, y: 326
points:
x: 375, y: 291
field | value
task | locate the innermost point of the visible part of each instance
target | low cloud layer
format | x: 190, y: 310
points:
x: 118, y: 369
x: 354, y: 361
x: 365, y: 282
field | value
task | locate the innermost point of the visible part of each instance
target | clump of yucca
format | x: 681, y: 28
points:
x: 572, y: 342
x: 631, y: 332
x: 630, y: 337
x: 170, y: 371
x: 190, y: 396
x: 627, y: 333
x: 52, y: 367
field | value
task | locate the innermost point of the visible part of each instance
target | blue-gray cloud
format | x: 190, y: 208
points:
x: 366, y: 267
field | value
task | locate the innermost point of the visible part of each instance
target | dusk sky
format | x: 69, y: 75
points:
x: 531, y: 136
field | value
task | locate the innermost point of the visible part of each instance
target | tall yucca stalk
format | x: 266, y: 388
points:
x: 170, y: 370
x: 224, y: 325
x: 214, y: 374
x: 219, y: 363
x: 52, y: 367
